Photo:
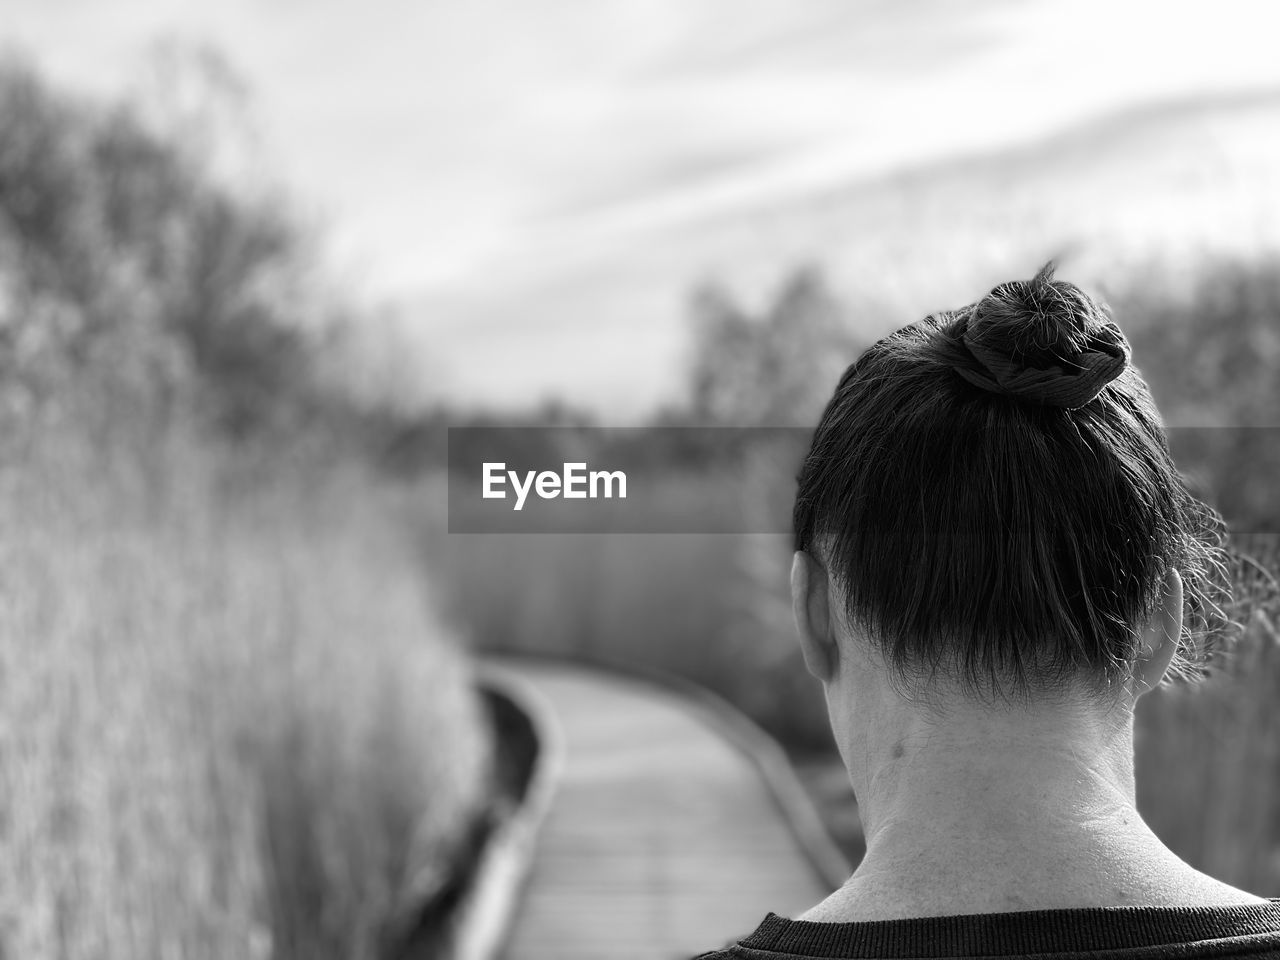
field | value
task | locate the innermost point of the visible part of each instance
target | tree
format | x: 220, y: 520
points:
x: 774, y: 369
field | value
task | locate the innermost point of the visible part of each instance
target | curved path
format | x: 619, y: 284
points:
x: 663, y: 839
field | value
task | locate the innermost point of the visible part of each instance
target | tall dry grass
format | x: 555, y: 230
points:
x: 229, y: 727
x: 1209, y: 755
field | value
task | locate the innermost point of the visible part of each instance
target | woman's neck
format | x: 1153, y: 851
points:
x: 980, y: 810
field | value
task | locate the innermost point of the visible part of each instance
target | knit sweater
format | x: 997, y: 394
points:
x: 1095, y: 933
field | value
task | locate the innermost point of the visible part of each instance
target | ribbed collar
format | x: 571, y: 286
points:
x: 1000, y: 934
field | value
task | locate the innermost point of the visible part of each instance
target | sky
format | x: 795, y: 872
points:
x: 460, y: 152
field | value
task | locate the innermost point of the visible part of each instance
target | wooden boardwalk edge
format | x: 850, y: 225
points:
x: 497, y: 911
x: 793, y: 801
x: 501, y: 878
x: 676, y: 822
x: 789, y: 794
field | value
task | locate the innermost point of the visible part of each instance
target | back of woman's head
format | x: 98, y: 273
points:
x: 991, y: 491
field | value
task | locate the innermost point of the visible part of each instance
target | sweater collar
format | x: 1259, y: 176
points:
x: 1032, y: 931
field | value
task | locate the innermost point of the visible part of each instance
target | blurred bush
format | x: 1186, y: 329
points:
x: 228, y: 724
x: 1208, y: 339
x: 133, y: 280
x: 1208, y: 342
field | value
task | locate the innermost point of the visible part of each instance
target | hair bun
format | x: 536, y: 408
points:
x: 1044, y: 340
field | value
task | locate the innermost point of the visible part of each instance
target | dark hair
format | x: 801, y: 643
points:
x: 992, y: 492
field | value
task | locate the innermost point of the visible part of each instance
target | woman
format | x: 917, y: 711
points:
x: 996, y: 557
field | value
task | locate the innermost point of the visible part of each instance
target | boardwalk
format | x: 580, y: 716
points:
x: 662, y: 841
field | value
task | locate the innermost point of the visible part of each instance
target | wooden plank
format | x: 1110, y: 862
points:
x: 662, y: 841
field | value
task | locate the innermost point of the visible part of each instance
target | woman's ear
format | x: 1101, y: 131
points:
x: 1160, y: 637
x: 810, y: 603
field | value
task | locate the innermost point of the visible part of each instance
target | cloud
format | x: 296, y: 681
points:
x: 470, y: 152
